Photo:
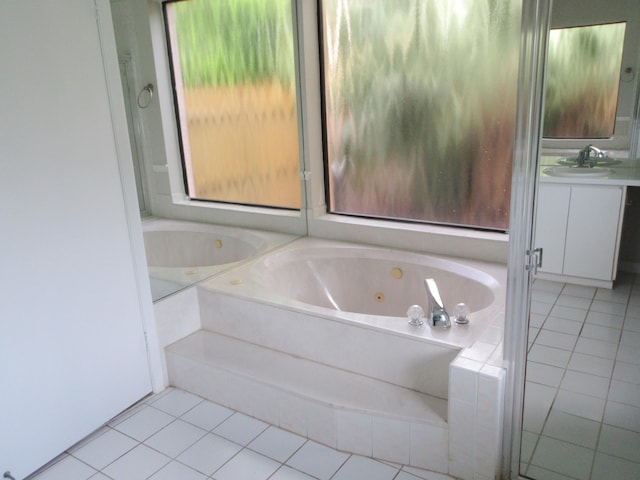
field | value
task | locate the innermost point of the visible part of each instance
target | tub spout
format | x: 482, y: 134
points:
x: 438, y: 315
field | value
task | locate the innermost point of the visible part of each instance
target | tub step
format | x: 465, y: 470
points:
x: 340, y: 409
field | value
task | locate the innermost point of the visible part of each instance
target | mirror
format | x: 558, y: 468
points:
x: 179, y: 253
x: 581, y: 417
x: 582, y: 81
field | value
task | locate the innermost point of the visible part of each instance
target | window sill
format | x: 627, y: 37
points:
x: 233, y: 207
x: 434, y: 239
x: 441, y: 240
x: 244, y: 216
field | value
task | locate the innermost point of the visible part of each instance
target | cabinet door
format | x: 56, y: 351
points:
x: 551, y: 225
x: 592, y: 232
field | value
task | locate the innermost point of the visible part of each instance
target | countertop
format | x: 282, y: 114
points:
x: 625, y: 173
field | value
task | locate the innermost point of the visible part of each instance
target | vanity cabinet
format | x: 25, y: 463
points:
x: 578, y: 227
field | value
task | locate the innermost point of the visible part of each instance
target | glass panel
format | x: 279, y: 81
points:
x: 233, y: 65
x: 420, y: 100
x: 582, y: 78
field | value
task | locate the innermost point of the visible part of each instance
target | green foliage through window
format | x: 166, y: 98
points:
x: 230, y: 42
x: 420, y: 100
x: 235, y: 93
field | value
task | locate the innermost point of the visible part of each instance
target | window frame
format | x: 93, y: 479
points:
x: 378, y: 218
x: 175, y: 72
x: 313, y: 218
x: 180, y: 109
x: 171, y: 199
x: 424, y: 237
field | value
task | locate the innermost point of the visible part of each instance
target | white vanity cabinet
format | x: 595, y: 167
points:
x: 578, y: 227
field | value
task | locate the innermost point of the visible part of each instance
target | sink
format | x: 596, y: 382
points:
x: 599, y: 161
x: 578, y: 172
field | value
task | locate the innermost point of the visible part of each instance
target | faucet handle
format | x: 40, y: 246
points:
x: 461, y: 314
x: 415, y: 313
x: 598, y: 152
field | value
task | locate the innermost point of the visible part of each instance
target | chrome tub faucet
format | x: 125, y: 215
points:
x: 438, y: 315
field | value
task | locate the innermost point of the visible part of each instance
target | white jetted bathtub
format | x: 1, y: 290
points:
x: 371, y: 287
x: 375, y: 287
x: 314, y: 337
x: 182, y: 253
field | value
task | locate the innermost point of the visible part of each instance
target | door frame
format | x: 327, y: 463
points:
x: 536, y: 18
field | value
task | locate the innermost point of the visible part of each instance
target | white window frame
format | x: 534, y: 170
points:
x: 313, y: 218
x: 177, y: 204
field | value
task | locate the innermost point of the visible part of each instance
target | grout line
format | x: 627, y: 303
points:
x: 341, y: 465
x: 282, y: 464
x: 595, y: 450
x: 566, y: 368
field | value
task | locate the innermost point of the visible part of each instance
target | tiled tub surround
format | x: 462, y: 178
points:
x: 182, y: 253
x: 359, y: 382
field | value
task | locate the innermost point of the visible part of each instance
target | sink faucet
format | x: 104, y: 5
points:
x: 438, y: 313
x: 585, y: 159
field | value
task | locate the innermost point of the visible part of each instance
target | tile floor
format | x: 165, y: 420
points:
x: 582, y: 396
x: 581, y: 419
x: 179, y: 436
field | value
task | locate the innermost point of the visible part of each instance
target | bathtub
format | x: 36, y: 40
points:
x: 317, y: 299
x: 372, y: 287
x: 313, y: 337
x: 182, y: 253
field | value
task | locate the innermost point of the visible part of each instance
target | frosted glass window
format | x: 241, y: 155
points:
x: 234, y: 73
x: 420, y: 102
x: 582, y: 79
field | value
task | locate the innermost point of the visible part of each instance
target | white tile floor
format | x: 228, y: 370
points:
x: 581, y: 420
x: 178, y: 436
x: 582, y: 397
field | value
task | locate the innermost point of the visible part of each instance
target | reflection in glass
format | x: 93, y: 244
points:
x: 582, y: 79
x: 233, y: 65
x: 420, y: 103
